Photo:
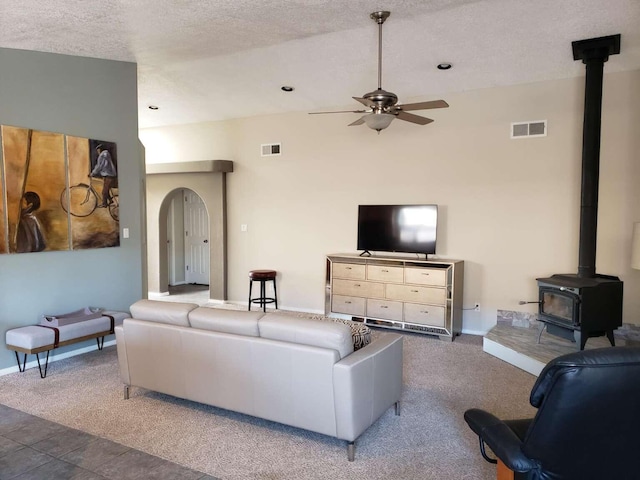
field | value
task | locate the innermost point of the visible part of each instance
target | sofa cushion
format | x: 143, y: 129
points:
x: 172, y: 313
x: 238, y: 322
x: 316, y: 333
x: 359, y: 331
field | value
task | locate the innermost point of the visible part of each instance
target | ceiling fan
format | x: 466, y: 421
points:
x: 383, y: 106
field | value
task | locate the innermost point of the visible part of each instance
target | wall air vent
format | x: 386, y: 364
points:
x: 270, y: 149
x: 537, y: 128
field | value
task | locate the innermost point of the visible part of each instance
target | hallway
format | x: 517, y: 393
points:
x: 190, y: 293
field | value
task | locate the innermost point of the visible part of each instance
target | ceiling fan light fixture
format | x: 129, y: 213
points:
x: 382, y: 106
x: 378, y: 121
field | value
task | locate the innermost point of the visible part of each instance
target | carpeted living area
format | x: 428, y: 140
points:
x: 430, y: 440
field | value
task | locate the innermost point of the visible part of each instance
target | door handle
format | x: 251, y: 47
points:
x: 206, y: 241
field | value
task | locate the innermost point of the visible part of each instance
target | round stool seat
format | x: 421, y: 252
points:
x: 262, y: 274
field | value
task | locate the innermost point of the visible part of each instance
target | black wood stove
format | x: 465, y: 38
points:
x: 586, y: 304
x: 578, y: 308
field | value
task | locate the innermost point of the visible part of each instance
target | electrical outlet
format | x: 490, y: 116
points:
x: 477, y: 307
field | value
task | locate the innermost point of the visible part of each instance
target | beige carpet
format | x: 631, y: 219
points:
x: 430, y: 440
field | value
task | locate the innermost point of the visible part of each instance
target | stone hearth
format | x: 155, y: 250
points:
x: 514, y: 340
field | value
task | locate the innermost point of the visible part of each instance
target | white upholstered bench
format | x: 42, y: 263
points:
x: 35, y: 339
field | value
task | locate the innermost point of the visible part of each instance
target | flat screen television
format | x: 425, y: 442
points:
x: 397, y: 228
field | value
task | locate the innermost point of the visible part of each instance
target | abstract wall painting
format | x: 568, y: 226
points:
x: 92, y: 197
x: 3, y: 217
x: 58, y: 192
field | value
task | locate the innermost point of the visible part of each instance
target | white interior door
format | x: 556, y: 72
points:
x: 175, y: 239
x: 196, y: 239
x: 171, y: 261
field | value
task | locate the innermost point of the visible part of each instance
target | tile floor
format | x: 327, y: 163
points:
x: 32, y: 448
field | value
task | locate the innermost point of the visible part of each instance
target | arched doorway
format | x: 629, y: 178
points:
x: 187, y: 245
x: 206, y: 180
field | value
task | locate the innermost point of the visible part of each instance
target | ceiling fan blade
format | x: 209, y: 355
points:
x: 424, y: 105
x: 410, y: 117
x: 360, y: 121
x: 365, y: 101
x: 339, y: 111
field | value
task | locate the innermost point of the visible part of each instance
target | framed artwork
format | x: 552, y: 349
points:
x: 3, y: 216
x: 59, y: 192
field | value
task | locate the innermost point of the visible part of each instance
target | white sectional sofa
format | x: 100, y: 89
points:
x: 279, y: 367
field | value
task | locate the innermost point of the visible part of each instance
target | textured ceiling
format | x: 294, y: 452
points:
x: 201, y: 60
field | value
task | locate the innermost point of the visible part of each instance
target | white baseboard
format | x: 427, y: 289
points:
x: 270, y: 307
x: 54, y: 357
x: 157, y: 294
x: 301, y: 310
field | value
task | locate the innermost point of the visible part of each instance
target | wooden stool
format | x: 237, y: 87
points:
x: 262, y: 276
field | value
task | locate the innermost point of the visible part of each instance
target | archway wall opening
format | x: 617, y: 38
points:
x: 211, y: 188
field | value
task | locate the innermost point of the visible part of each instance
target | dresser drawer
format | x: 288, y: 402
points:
x: 355, y: 288
x: 347, y: 305
x: 380, y: 273
x: 348, y: 270
x: 424, y: 314
x: 384, y: 309
x: 426, y: 276
x: 416, y: 294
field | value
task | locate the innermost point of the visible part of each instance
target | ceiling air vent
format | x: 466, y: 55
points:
x: 270, y: 149
x: 536, y: 128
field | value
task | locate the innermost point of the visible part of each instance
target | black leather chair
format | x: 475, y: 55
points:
x: 587, y: 425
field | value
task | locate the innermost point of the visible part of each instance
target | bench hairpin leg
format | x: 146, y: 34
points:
x: 100, y: 343
x: 24, y: 362
x: 46, y: 365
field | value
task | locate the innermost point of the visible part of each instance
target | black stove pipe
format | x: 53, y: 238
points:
x: 593, y: 53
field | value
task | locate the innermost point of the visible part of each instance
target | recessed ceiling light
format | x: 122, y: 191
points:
x: 153, y: 107
x: 444, y: 66
x: 287, y: 88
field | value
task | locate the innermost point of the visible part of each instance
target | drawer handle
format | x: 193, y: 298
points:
x: 424, y: 311
x: 348, y: 302
x: 414, y: 291
x: 347, y: 268
x: 357, y: 285
x: 383, y: 306
x: 425, y: 274
x: 384, y: 271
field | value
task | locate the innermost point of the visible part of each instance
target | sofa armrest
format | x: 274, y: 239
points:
x: 366, y: 383
x: 122, y: 354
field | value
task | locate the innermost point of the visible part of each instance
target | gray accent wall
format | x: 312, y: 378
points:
x: 90, y: 98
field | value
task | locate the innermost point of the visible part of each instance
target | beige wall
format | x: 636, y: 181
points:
x: 509, y: 208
